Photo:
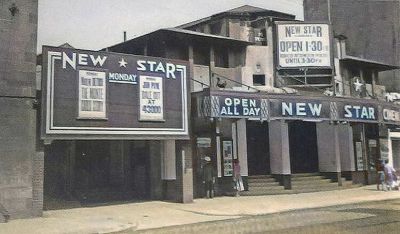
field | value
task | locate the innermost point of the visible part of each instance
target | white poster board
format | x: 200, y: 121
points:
x: 203, y: 142
x: 384, y: 148
x: 228, y: 157
x: 303, y: 45
x: 151, y: 98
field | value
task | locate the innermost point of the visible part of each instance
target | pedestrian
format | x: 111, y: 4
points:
x: 237, y: 178
x: 389, y: 175
x: 209, y: 178
x: 380, y: 180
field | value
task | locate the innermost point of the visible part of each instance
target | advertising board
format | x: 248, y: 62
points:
x: 91, y: 93
x: 302, y: 44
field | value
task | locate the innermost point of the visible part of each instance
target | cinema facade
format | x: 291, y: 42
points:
x: 136, y: 120
x: 114, y: 127
x: 282, y: 96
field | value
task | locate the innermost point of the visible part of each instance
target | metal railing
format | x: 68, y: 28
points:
x: 202, y: 83
x: 213, y: 75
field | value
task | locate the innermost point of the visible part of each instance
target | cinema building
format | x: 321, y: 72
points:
x: 136, y: 120
x: 114, y: 127
x: 280, y: 95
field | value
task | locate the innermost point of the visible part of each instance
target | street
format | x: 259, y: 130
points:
x: 375, y: 217
x: 370, y: 217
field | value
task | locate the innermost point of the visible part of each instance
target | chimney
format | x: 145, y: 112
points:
x: 124, y: 36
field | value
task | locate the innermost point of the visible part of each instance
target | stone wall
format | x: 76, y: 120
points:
x: 21, y: 173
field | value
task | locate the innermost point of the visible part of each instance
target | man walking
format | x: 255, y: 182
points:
x: 389, y: 174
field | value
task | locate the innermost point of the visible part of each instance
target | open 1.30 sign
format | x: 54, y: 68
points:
x: 302, y: 44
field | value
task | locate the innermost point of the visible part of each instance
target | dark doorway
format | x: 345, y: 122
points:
x: 303, y: 147
x: 257, y: 148
x: 92, y: 162
x: 95, y: 172
x: 139, y: 180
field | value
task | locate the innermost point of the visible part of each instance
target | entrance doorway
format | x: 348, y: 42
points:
x: 92, y: 162
x: 92, y: 172
x: 257, y: 148
x: 303, y: 147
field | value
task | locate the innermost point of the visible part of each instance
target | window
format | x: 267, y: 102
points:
x: 92, y: 94
x: 258, y: 80
x: 221, y: 57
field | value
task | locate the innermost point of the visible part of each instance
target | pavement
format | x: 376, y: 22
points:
x: 155, y: 214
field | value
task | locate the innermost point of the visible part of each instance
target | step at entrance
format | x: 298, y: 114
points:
x: 263, y: 185
x: 301, y: 183
x: 315, y: 182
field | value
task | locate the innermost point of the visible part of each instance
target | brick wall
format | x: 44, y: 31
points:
x: 37, y: 190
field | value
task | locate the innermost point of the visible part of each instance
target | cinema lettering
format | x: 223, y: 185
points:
x: 303, y: 45
x: 301, y: 109
x: 82, y: 59
x: 298, y: 109
x: 72, y: 59
x: 122, y: 78
x: 390, y: 115
x: 274, y: 107
x: 360, y: 112
x: 239, y: 107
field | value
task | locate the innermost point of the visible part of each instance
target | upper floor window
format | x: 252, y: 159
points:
x: 92, y: 94
x: 258, y: 80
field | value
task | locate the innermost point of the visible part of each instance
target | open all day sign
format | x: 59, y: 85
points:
x: 239, y: 107
x: 303, y: 45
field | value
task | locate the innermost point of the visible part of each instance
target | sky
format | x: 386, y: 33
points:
x: 96, y: 24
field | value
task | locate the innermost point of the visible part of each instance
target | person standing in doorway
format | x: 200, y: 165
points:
x: 380, y: 180
x: 237, y: 178
x: 209, y: 178
x: 389, y: 174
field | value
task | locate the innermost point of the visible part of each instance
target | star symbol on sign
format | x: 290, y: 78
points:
x: 357, y: 85
x: 122, y: 63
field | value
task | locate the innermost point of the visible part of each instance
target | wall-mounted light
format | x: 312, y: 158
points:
x: 13, y: 9
x: 258, y: 67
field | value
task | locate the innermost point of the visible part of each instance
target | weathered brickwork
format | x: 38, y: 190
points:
x: 21, y: 173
